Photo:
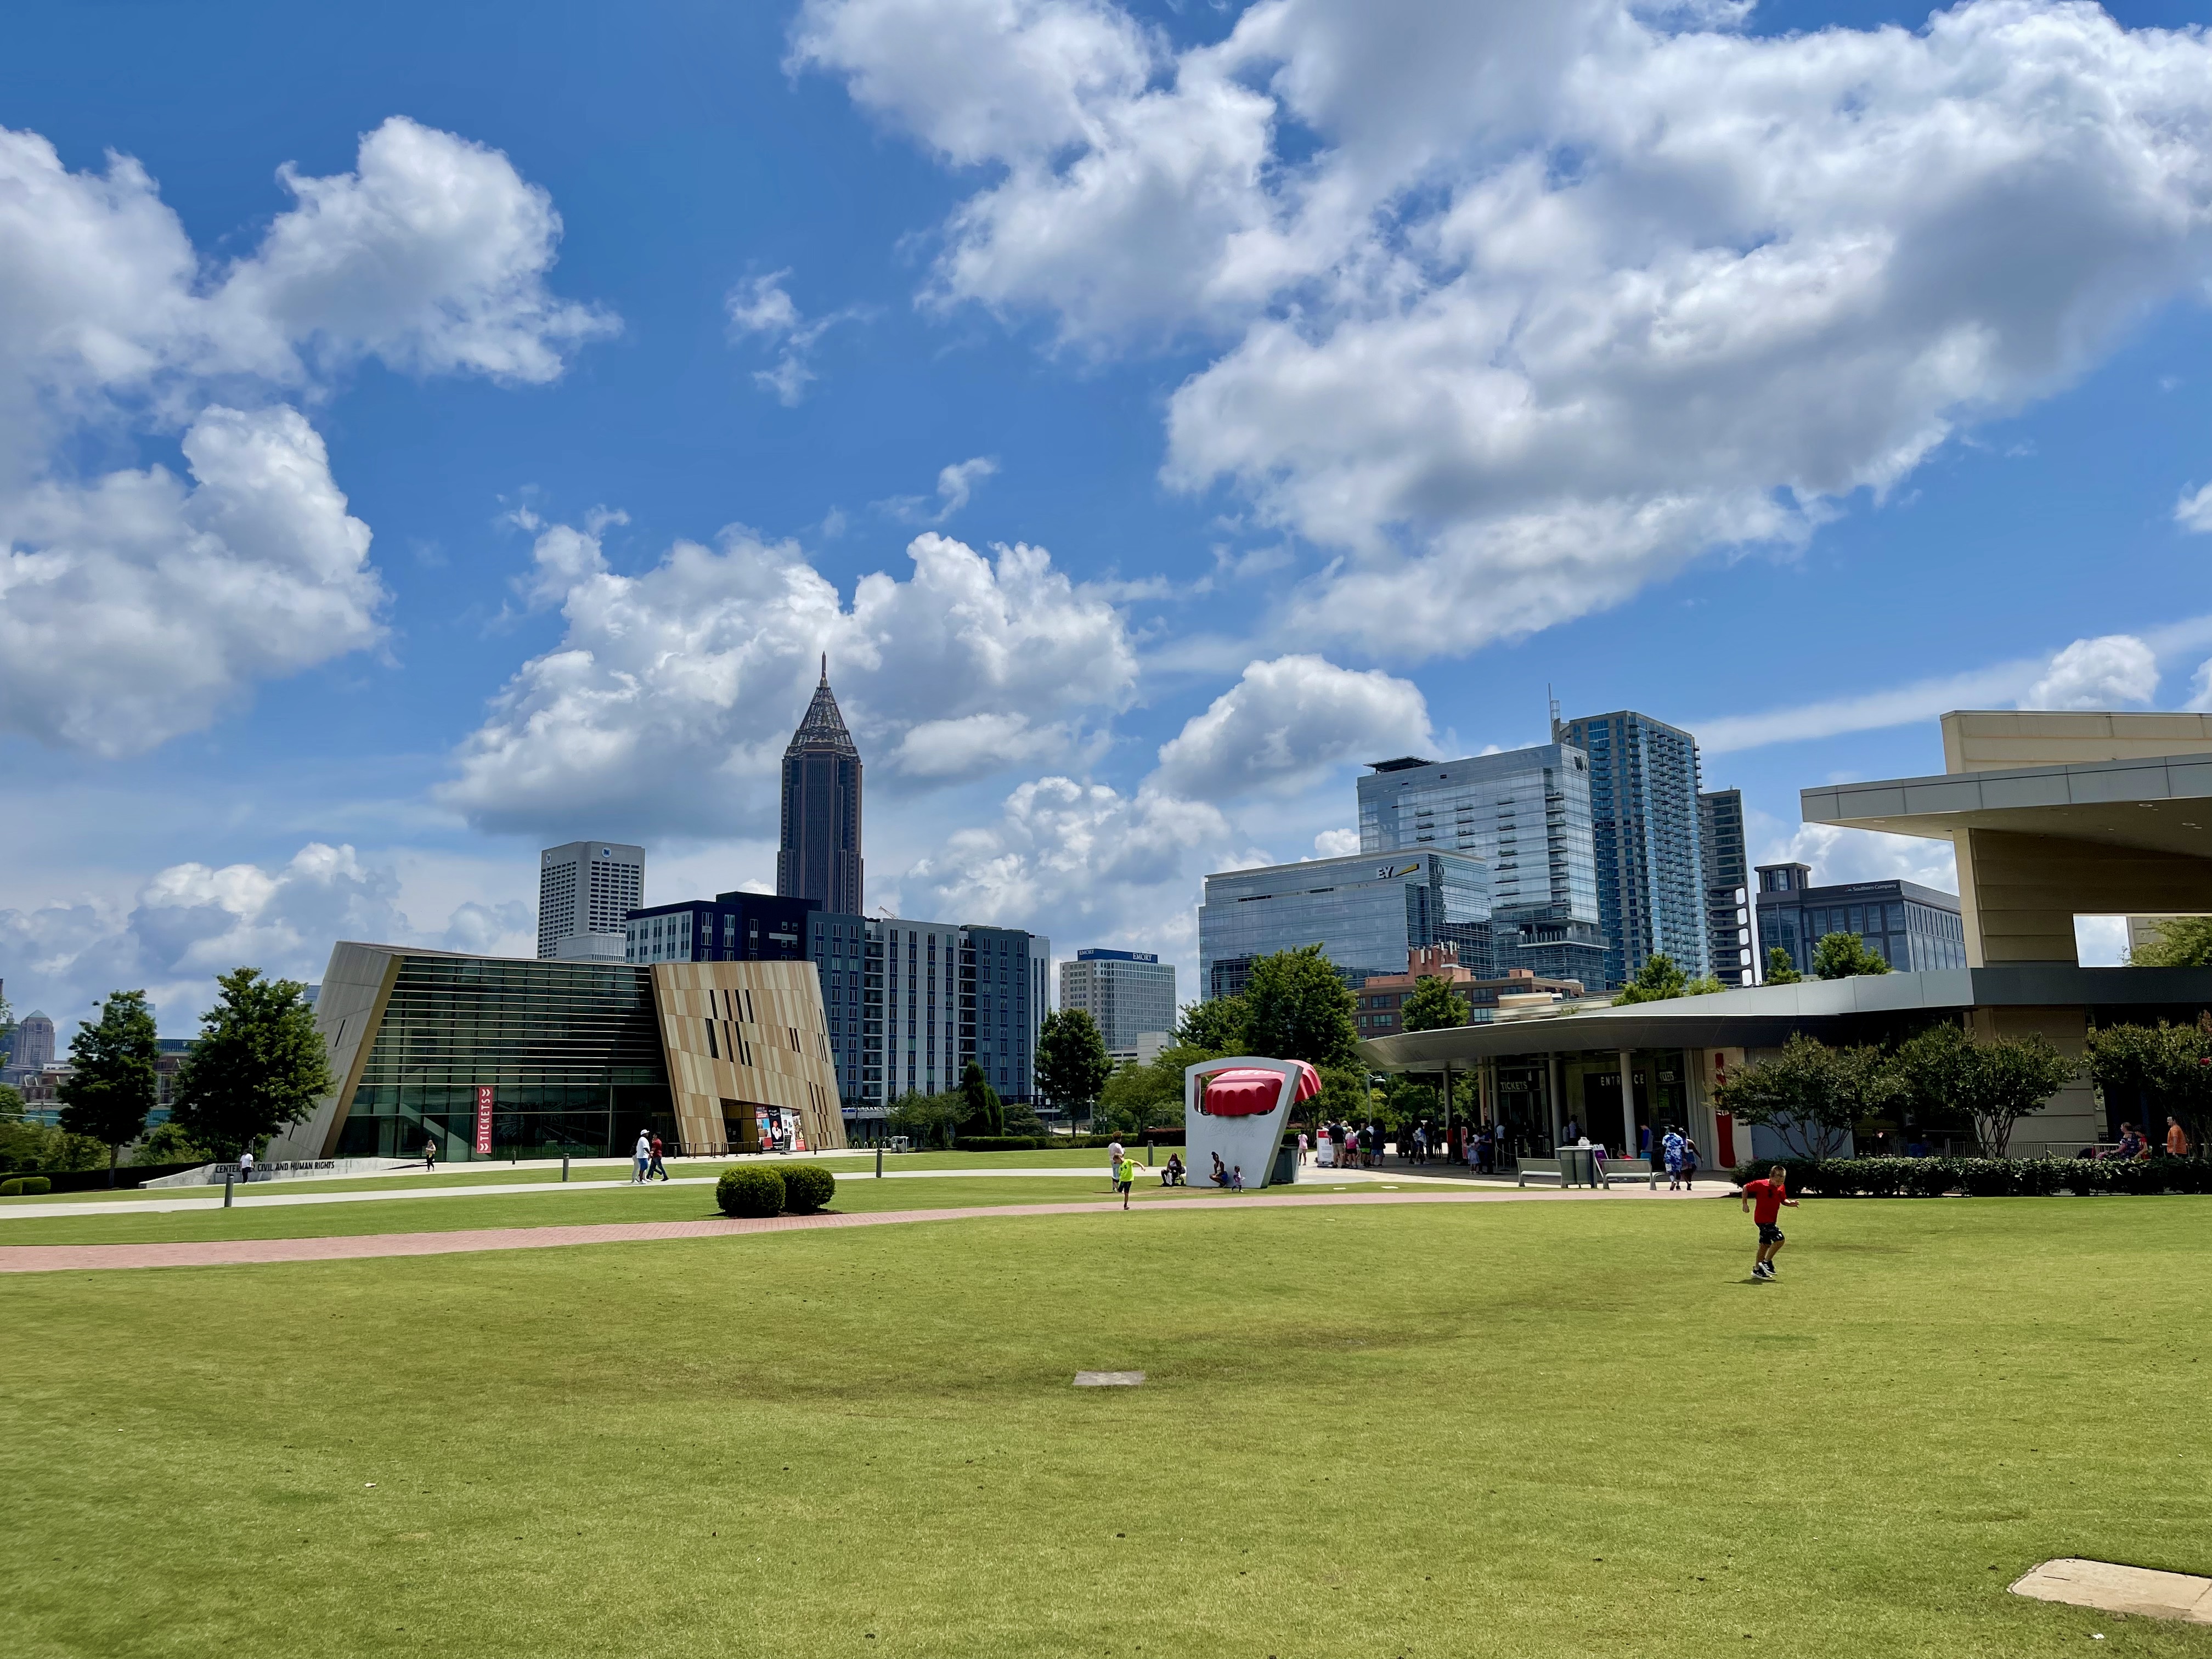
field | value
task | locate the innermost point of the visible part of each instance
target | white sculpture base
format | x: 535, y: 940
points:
x: 1250, y: 1143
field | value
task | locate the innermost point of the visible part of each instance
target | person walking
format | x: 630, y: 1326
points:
x: 244, y: 1166
x: 1113, y: 1161
x: 429, y: 1152
x: 1765, y: 1200
x: 1671, y: 1148
x: 1302, y: 1148
x: 641, y: 1159
x: 2176, y: 1138
x: 1689, y: 1163
x: 656, y: 1167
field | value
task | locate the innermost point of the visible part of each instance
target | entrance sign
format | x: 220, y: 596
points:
x: 484, y: 1120
x: 1235, y: 1109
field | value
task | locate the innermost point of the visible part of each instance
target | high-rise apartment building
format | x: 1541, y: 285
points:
x: 1526, y: 813
x: 1730, y: 933
x: 1126, y: 992
x: 819, y: 857
x: 926, y: 998
x: 1366, y: 912
x: 586, y: 891
x: 1650, y: 867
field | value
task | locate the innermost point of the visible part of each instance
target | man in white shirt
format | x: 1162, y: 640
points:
x: 1113, y: 1161
x: 641, y: 1157
x: 246, y: 1166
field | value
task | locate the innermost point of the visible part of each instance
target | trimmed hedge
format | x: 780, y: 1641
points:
x: 750, y: 1190
x: 806, y: 1187
x: 1980, y: 1177
x: 1003, y: 1143
x: 25, y: 1186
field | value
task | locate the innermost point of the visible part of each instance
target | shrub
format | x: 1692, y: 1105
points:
x: 1985, y: 1177
x: 750, y: 1190
x: 25, y: 1186
x: 806, y: 1187
x: 2040, y: 1177
x: 1000, y: 1143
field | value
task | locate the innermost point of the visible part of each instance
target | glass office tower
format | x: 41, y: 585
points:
x: 1526, y: 813
x: 1913, y: 929
x: 1650, y: 863
x: 1364, y: 912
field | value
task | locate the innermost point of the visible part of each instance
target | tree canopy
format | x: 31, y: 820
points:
x: 1298, y: 1007
x: 111, y: 1088
x: 1071, y: 1061
x: 1846, y: 955
x: 1660, y: 980
x: 1434, y: 1006
x: 1995, y: 1081
x: 1217, y: 1027
x: 2146, y: 1072
x: 1781, y: 970
x: 1809, y: 1094
x: 259, y: 1065
x: 2176, y: 942
x: 985, y: 1115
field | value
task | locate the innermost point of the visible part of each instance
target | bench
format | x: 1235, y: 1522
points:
x: 1629, y: 1169
x: 1544, y: 1168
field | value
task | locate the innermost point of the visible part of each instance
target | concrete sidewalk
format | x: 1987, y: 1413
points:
x: 244, y: 1252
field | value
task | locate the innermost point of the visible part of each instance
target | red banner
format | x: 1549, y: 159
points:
x: 484, y: 1120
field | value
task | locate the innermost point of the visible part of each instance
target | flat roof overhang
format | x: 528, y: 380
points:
x: 1767, y: 1016
x: 2163, y: 805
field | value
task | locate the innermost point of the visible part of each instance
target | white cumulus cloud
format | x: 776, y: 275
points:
x: 672, y: 693
x: 2099, y: 673
x: 1519, y: 307
x: 135, y: 604
x: 1287, y: 723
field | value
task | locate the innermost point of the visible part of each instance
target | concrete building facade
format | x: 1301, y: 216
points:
x: 1731, y: 930
x: 586, y: 891
x: 1127, y: 994
x: 1911, y: 928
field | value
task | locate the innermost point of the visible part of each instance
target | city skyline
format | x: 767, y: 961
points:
x: 532, y: 520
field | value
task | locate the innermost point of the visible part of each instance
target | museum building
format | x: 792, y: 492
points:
x: 500, y: 1057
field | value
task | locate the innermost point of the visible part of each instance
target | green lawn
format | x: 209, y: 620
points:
x: 1480, y: 1429
x: 599, y: 1202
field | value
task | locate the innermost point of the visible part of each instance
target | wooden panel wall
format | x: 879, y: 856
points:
x: 753, y: 1033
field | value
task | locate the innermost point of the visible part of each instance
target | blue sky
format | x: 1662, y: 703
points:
x: 1349, y: 374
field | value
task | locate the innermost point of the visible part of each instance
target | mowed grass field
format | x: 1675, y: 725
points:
x: 1482, y: 1429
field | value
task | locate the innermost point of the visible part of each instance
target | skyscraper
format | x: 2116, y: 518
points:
x: 820, y: 855
x: 1644, y: 816
x: 1728, y: 885
x: 586, y: 891
x: 1365, y: 912
x: 1126, y: 992
x: 1526, y: 813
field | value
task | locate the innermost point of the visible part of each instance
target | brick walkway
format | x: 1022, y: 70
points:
x: 238, y: 1252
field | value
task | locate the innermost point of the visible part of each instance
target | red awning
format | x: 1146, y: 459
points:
x: 1247, y: 1091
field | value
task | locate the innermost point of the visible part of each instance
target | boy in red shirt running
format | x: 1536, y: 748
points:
x: 1769, y: 1195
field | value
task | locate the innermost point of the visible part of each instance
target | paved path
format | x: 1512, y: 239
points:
x: 222, y: 1253
x: 75, y: 1207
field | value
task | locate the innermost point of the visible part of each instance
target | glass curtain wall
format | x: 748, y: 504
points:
x: 571, y: 1051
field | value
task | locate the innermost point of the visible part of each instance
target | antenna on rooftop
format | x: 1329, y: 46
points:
x: 1554, y: 701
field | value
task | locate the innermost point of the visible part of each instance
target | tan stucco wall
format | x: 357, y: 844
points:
x: 1997, y: 739
x: 770, y: 1046
x: 2019, y: 895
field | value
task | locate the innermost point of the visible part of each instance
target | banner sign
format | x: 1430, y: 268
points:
x: 484, y: 1120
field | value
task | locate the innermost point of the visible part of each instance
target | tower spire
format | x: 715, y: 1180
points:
x: 825, y: 668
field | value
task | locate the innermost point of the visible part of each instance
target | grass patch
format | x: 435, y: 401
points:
x: 1505, y: 1429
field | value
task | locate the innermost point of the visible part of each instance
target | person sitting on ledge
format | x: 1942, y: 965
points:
x: 1220, y: 1174
x: 1172, y: 1175
x: 2130, y: 1147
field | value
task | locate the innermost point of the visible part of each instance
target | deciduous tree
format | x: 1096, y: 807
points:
x: 1657, y: 980
x: 111, y: 1087
x: 1298, y: 1007
x: 1809, y: 1094
x: 2176, y: 942
x: 1780, y: 968
x: 1071, y: 1061
x: 1846, y: 955
x: 259, y: 1065
x: 1434, y: 1006
x: 1215, y: 1027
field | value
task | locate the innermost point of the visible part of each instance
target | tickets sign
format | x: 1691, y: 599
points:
x: 484, y: 1120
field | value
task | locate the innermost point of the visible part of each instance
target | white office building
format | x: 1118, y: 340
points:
x: 1127, y: 994
x: 586, y: 891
